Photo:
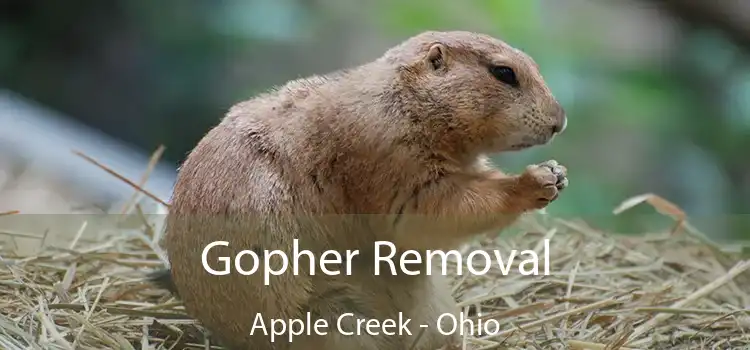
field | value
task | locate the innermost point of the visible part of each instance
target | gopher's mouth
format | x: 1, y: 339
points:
x: 531, y: 142
x: 520, y: 146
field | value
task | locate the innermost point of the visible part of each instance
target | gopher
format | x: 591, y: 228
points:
x: 393, y: 150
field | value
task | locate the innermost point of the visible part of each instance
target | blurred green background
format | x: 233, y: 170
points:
x: 657, y: 92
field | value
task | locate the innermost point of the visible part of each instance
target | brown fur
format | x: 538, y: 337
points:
x: 390, y: 150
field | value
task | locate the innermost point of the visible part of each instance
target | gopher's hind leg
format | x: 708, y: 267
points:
x: 346, y: 335
x: 427, y: 300
x: 346, y: 304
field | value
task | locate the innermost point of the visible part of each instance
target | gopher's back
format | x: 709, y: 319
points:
x: 275, y: 169
x: 228, y: 190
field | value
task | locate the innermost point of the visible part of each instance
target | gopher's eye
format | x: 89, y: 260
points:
x: 504, y: 74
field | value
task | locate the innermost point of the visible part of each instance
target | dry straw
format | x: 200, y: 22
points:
x: 671, y: 290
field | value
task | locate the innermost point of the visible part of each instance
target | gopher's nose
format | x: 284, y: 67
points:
x: 560, y: 127
x: 562, y: 121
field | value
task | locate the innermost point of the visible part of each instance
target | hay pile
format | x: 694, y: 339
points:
x: 661, y: 291
x: 672, y: 290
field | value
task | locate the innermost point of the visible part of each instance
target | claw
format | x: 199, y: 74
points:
x: 557, y: 170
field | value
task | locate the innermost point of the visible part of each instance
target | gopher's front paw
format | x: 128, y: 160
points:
x: 542, y: 183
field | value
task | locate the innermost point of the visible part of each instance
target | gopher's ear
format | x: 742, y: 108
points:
x: 436, y: 57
